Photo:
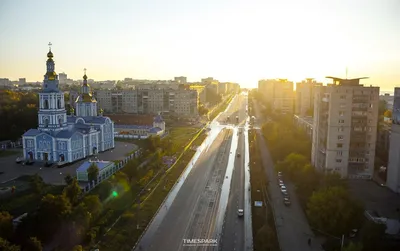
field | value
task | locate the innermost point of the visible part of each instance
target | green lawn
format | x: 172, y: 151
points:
x: 5, y: 153
x: 181, y: 136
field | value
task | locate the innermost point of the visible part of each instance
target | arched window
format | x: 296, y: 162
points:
x: 60, y: 121
x: 46, y: 122
x: 58, y: 103
x: 46, y: 104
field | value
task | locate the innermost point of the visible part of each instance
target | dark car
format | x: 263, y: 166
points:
x: 48, y: 164
x: 29, y: 162
x: 19, y: 160
x: 286, y: 201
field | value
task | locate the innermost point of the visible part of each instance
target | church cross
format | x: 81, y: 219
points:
x: 50, y: 44
x: 84, y: 70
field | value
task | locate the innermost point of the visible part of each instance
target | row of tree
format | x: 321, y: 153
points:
x: 67, y: 215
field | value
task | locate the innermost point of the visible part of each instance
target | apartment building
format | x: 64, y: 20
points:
x: 393, y: 169
x: 180, y: 102
x: 304, y: 103
x: 345, y: 128
x: 278, y: 94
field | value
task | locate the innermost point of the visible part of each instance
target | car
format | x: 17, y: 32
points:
x: 48, y: 164
x: 283, y: 189
x: 28, y: 162
x: 280, y: 182
x: 286, y: 201
x: 240, y: 212
x: 238, y: 154
x: 285, y: 193
x: 19, y: 160
x: 280, y: 175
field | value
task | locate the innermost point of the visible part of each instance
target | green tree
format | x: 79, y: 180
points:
x: 104, y: 189
x: 307, y: 181
x: 73, y: 191
x: 353, y: 247
x: 37, y: 183
x: 332, y: 210
x: 52, y: 211
x: 372, y: 235
x: 292, y: 165
x: 382, y: 107
x: 7, y: 246
x: 33, y: 244
x: 388, y: 114
x: 93, y: 172
x: 93, y: 205
x: 77, y: 248
x: 68, y: 179
x: 6, y: 227
x: 131, y: 169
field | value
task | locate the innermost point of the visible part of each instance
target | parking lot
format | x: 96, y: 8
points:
x: 375, y: 197
x: 11, y: 170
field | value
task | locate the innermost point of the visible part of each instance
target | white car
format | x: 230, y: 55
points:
x: 240, y: 212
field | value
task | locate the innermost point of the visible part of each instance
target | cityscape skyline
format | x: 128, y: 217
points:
x: 225, y: 40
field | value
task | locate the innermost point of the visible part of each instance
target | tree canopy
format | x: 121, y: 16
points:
x: 388, y: 114
x: 18, y: 112
x: 6, y: 227
x: 333, y: 211
x: 93, y: 172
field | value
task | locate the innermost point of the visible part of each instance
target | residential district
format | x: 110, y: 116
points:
x: 170, y: 165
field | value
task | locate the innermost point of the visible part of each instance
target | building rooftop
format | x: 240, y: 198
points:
x: 101, y: 164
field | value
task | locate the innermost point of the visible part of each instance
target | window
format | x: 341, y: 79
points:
x: 46, y: 122
x: 58, y: 104
x: 342, y: 105
x: 343, y: 97
x: 46, y: 104
x: 339, y: 153
x: 341, y: 113
x: 339, y: 145
x: 340, y: 129
x: 340, y: 137
x: 341, y: 121
x: 338, y: 160
x: 370, y: 105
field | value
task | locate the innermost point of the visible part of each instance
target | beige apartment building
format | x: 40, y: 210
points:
x: 304, y: 104
x: 345, y: 128
x: 181, y: 102
x: 278, y: 94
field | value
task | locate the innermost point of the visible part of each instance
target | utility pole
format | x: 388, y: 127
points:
x: 342, y: 242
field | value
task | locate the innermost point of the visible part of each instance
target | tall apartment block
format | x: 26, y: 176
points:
x: 345, y: 128
x: 393, y: 170
x: 304, y: 104
x: 278, y: 94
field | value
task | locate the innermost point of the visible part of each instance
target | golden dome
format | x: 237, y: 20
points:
x: 84, y: 77
x: 50, y: 54
x: 51, y: 75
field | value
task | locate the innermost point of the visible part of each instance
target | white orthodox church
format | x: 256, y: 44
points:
x: 62, y: 138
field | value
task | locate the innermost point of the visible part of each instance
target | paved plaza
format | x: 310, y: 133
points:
x: 11, y: 170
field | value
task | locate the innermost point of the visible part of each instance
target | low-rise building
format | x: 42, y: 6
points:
x: 105, y: 170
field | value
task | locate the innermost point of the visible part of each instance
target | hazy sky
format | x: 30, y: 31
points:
x: 229, y: 40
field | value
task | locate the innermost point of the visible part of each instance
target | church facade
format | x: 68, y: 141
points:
x: 62, y: 138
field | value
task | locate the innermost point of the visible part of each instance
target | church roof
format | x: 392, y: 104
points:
x: 88, y: 120
x: 133, y: 127
x: 65, y: 134
x: 155, y: 130
x: 158, y: 119
x: 32, y: 132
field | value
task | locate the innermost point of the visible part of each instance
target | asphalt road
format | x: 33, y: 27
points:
x: 193, y: 212
x: 291, y: 223
x: 234, y: 227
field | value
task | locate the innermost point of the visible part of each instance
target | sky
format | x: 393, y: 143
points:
x: 230, y: 40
